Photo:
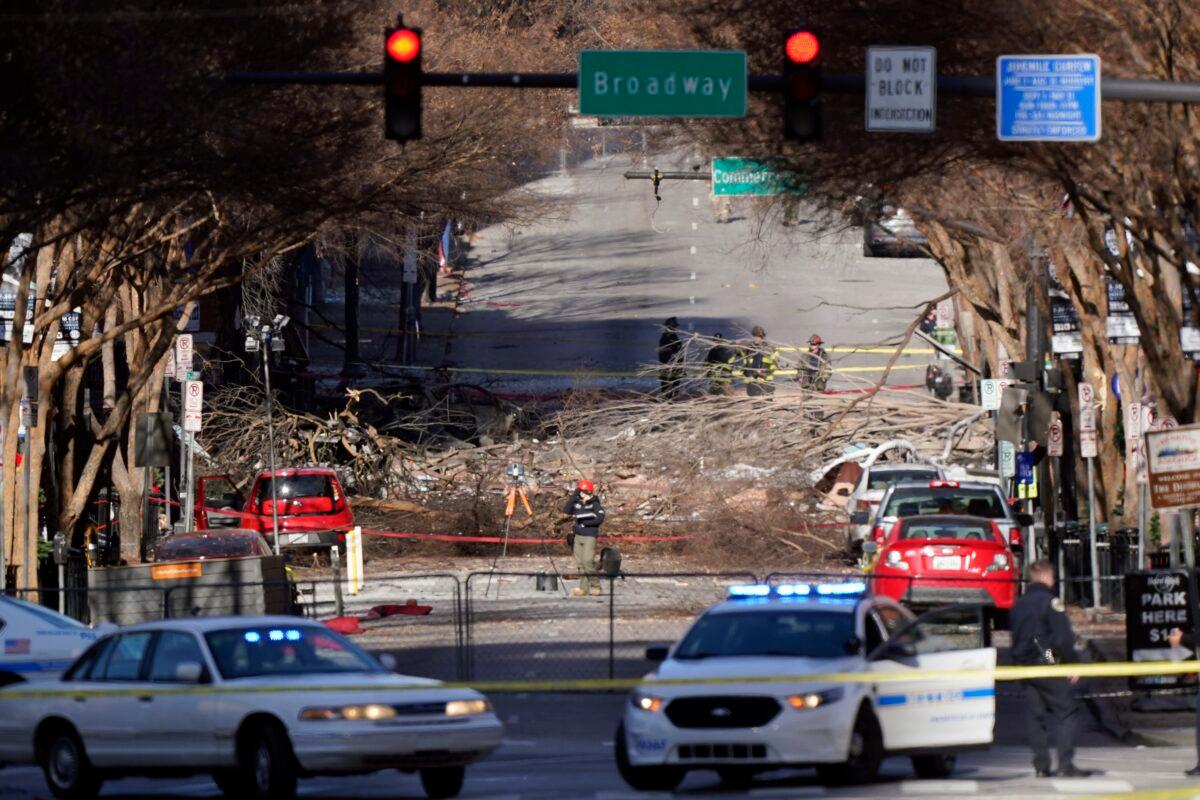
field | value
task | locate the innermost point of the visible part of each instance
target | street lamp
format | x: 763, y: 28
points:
x: 270, y: 335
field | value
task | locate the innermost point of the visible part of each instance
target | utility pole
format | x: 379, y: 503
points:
x: 270, y: 337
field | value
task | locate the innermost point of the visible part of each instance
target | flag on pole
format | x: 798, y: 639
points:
x: 444, y: 249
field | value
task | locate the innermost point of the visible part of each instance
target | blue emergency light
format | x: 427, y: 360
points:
x: 843, y: 589
x: 750, y: 590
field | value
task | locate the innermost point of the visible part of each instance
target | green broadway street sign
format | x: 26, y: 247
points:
x: 662, y: 83
x: 740, y: 176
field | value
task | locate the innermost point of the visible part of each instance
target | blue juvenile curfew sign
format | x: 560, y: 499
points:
x: 1048, y: 98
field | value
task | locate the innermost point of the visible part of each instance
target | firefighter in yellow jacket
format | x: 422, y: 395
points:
x: 759, y: 363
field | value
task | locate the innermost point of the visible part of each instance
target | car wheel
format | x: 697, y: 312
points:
x: 266, y: 769
x: 644, y: 779
x: 69, y: 773
x: 935, y: 766
x: 442, y: 782
x: 864, y: 756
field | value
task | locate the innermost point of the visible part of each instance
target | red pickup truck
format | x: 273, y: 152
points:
x: 313, y: 510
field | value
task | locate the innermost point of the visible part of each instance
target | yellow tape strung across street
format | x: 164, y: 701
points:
x: 1005, y: 673
x: 648, y: 373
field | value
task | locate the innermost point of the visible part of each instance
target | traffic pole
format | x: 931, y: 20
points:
x: 189, y: 500
x: 266, y: 359
x: 1189, y: 543
x: 1092, y: 532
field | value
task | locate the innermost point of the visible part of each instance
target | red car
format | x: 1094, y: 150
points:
x: 939, y: 559
x: 313, y: 509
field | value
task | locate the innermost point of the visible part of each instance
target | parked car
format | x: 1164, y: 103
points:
x: 313, y: 509
x: 210, y: 544
x: 940, y: 559
x: 253, y: 702
x: 864, y: 500
x: 974, y: 499
x: 38, y: 643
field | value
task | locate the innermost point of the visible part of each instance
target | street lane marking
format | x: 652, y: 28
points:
x: 789, y: 791
x: 1090, y: 786
x: 695, y: 201
x: 692, y: 250
x: 695, y: 226
x: 939, y: 787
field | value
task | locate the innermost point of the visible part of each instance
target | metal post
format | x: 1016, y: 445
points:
x: 3, y: 540
x: 1144, y: 524
x: 31, y: 510
x: 166, y: 504
x: 335, y: 559
x: 189, y: 501
x: 62, y: 589
x: 1189, y: 542
x: 1091, y: 470
x: 179, y: 492
x: 612, y: 615
x: 266, y: 359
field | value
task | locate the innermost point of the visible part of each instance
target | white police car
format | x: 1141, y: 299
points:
x: 762, y: 696
x: 36, y: 642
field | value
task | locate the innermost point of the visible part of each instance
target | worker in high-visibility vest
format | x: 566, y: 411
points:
x: 759, y: 363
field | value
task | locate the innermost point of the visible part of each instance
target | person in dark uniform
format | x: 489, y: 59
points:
x: 585, y: 507
x: 718, y: 362
x: 1177, y: 638
x: 670, y: 348
x: 1041, y: 635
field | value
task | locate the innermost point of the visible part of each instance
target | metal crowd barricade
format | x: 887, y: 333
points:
x: 528, y: 625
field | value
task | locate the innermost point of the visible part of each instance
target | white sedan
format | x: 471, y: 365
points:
x: 37, y: 642
x: 732, y: 695
x: 255, y: 702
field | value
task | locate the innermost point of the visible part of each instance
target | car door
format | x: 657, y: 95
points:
x: 218, y: 503
x: 179, y: 729
x: 939, y: 710
x: 110, y: 707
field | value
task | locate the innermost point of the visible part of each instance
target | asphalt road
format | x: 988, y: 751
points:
x: 561, y: 747
x: 586, y: 287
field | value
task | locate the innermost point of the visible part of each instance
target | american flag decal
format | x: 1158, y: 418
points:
x: 16, y: 647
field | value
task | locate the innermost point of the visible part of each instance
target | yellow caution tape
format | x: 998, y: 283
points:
x: 999, y: 674
x: 649, y: 373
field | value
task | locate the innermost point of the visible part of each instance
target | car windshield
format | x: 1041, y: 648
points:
x: 882, y: 480
x: 285, y: 650
x: 43, y: 614
x: 920, y: 500
x: 932, y: 529
x: 290, y: 486
x: 215, y: 546
x: 807, y: 633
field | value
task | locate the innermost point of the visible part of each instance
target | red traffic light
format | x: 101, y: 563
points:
x: 803, y: 47
x: 403, y: 45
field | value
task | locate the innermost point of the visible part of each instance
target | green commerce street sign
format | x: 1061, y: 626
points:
x: 662, y: 83
x: 732, y: 177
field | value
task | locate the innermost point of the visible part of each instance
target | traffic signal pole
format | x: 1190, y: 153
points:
x: 1120, y: 89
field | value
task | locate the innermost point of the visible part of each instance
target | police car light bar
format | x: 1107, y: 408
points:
x: 750, y: 590
x: 797, y: 589
x: 850, y: 587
